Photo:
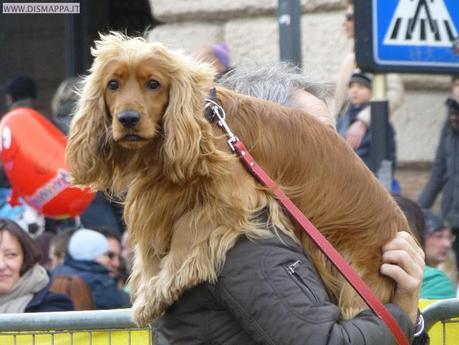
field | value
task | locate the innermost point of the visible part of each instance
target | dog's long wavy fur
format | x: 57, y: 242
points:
x: 188, y: 198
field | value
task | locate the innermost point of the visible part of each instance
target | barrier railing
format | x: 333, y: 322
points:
x: 102, y: 327
x: 442, y: 321
x: 115, y: 327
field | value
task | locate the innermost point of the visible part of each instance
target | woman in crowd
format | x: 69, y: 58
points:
x: 24, y: 284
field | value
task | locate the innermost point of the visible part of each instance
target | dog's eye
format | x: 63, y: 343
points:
x: 153, y: 84
x: 113, y: 85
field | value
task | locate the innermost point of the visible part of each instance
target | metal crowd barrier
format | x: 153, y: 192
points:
x: 442, y: 322
x: 101, y: 327
x: 115, y: 327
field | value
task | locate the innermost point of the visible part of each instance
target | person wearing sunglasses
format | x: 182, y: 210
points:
x: 394, y: 84
x: 112, y: 257
x: 88, y: 256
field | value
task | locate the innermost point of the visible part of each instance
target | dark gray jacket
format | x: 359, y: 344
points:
x: 268, y: 293
x: 445, y: 176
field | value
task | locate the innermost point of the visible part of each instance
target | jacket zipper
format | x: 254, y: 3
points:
x: 292, y: 271
x: 292, y: 267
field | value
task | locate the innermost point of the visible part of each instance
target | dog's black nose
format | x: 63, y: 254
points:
x: 129, y: 118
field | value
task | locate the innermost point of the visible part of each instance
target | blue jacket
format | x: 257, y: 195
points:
x: 103, y: 288
x: 364, y: 150
x: 45, y: 301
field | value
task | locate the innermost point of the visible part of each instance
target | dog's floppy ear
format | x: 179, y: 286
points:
x: 89, y: 152
x: 187, y: 142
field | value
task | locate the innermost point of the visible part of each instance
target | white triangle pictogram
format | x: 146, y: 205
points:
x: 421, y: 23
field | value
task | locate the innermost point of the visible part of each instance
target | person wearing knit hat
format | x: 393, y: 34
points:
x: 87, y: 252
x: 437, y: 244
x: 221, y: 51
x: 438, y: 239
x: 433, y: 222
x: 359, y: 77
x: 359, y: 96
x: 87, y: 245
x: 217, y: 55
x: 435, y: 283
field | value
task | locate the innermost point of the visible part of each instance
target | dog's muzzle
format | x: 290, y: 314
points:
x: 129, y: 119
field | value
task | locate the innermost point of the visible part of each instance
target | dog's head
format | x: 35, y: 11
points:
x: 138, y: 95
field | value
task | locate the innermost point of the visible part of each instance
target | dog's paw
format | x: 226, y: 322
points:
x: 142, y: 315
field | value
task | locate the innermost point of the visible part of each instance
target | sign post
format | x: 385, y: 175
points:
x: 289, y: 19
x: 407, y: 36
x: 380, y: 163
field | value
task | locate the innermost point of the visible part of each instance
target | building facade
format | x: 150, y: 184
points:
x: 250, y: 29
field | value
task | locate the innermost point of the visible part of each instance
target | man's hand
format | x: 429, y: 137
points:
x: 403, y: 261
x: 355, y: 134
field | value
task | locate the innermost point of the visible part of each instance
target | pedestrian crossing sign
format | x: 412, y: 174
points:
x: 418, y: 36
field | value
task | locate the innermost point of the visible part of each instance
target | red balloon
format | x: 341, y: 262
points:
x: 32, y: 151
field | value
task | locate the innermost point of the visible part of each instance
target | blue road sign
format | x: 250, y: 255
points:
x: 408, y: 35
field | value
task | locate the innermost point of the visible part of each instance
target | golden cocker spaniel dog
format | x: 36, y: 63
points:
x: 140, y: 130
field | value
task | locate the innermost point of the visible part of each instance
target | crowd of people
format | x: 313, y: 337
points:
x: 436, y: 232
x: 83, y: 263
x: 48, y: 262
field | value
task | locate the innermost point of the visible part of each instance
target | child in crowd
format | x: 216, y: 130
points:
x: 360, y: 94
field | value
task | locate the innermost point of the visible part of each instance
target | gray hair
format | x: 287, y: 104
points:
x: 64, y: 102
x: 276, y: 82
x: 65, y: 97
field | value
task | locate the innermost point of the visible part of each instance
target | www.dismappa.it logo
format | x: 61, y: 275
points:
x: 40, y: 8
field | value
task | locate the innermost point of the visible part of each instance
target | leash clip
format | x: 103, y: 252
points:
x: 218, y: 111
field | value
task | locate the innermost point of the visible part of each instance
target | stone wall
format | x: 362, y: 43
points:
x: 250, y: 28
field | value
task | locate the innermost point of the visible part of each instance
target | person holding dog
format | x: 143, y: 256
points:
x: 268, y: 291
x: 282, y: 83
x: 216, y: 259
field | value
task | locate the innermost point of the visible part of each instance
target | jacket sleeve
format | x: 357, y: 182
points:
x: 437, y: 177
x: 278, y: 299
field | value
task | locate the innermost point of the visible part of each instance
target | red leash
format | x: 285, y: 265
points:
x: 336, y: 259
